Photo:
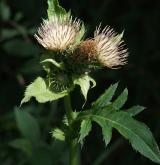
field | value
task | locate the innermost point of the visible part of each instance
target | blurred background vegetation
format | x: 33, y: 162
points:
x: 25, y: 137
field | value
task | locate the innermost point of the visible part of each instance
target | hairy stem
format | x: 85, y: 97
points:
x: 73, y: 143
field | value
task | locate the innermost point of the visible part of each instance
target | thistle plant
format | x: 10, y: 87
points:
x: 68, y: 59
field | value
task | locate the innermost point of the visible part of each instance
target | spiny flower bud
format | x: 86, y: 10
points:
x: 58, y: 33
x: 110, y: 48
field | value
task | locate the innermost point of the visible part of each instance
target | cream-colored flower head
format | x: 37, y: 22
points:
x: 110, y: 50
x: 58, y: 33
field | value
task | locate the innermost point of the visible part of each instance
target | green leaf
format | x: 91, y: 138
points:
x: 103, y: 106
x: 107, y: 133
x: 81, y: 34
x: 58, y: 134
x: 105, y: 110
x: 106, y: 130
x: 43, y: 155
x: 136, y: 132
x: 18, y: 16
x: 120, y: 101
x: 86, y: 127
x: 19, y: 48
x: 92, y: 81
x: 8, y: 33
x: 105, y: 98
x: 22, y: 144
x: 55, y: 9
x: 27, y: 125
x: 42, y: 94
x: 84, y: 83
x: 34, y: 67
x: 133, y: 111
x: 5, y: 12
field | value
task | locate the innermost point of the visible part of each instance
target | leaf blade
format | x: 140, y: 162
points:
x: 55, y: 9
x: 105, y: 98
x: 86, y: 127
x: 133, y: 111
x: 106, y: 130
x: 136, y: 132
x: 140, y: 136
x: 42, y: 94
x: 27, y: 125
x: 84, y: 83
x: 81, y: 34
x: 121, y: 100
x: 23, y: 145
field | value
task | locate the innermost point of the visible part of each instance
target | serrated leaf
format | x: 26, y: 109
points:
x: 27, y: 125
x: 105, y: 98
x: 105, y: 111
x: 84, y: 83
x: 55, y: 9
x: 86, y: 127
x: 136, y: 132
x: 133, y: 111
x: 120, y: 101
x: 22, y: 144
x: 58, y: 134
x: 42, y: 94
x: 103, y: 106
x: 106, y: 130
x: 107, y: 133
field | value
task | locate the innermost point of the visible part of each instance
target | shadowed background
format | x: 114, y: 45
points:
x: 19, y: 65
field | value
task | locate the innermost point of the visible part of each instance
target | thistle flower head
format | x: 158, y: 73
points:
x: 110, y: 48
x: 58, y: 33
x: 106, y: 48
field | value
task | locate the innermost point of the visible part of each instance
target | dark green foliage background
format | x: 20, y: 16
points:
x: 19, y: 65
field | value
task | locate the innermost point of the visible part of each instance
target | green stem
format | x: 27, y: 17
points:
x: 68, y: 108
x: 73, y: 143
x: 73, y: 152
